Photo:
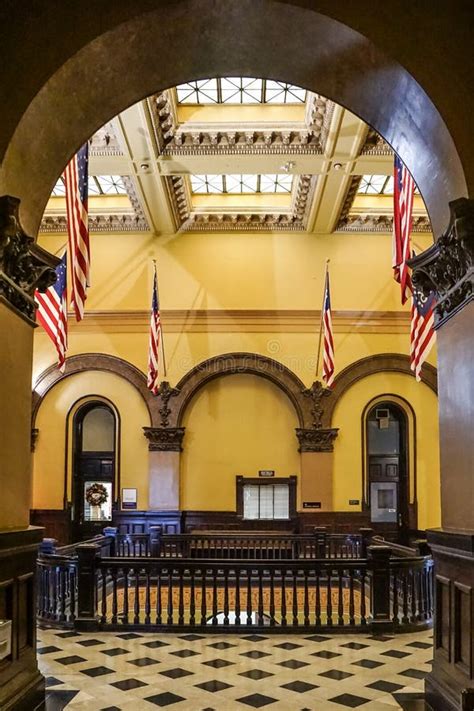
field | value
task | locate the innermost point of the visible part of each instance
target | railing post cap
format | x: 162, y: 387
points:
x: 379, y: 552
x: 47, y: 545
x: 110, y: 530
x: 366, y: 531
x: 87, y: 549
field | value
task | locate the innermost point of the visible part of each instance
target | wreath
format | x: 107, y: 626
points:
x: 96, y: 495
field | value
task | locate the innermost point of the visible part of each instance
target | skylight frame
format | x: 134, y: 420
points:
x: 242, y: 184
x: 249, y: 90
x: 98, y: 185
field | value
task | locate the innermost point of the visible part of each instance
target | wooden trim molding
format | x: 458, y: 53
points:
x: 364, y: 367
x: 94, y: 361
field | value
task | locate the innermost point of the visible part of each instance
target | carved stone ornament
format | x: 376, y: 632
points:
x: 316, y: 393
x: 164, y: 439
x: 447, y: 267
x: 24, y: 267
x: 316, y: 440
x: 165, y: 392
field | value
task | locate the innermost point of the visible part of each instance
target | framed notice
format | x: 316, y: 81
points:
x: 266, y: 472
x: 129, y: 498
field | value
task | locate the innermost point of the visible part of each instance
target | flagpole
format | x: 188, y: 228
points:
x: 161, y: 322
x: 322, y: 316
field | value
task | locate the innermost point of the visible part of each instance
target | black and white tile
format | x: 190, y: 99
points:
x: 131, y: 671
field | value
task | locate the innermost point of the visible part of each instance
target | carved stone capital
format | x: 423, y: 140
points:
x: 447, y: 268
x: 34, y: 438
x: 316, y: 440
x: 164, y: 439
x: 315, y: 394
x: 24, y: 267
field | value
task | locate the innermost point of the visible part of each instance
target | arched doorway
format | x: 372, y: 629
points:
x: 94, y: 468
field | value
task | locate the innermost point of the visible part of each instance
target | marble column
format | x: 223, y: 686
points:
x: 165, y: 447
x: 447, y: 269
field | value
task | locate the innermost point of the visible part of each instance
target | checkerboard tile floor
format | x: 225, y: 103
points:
x: 214, y: 672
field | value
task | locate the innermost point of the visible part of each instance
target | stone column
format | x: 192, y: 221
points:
x: 316, y: 447
x: 165, y: 447
x: 23, y: 267
x: 447, y: 269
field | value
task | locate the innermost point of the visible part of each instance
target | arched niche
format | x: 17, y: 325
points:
x: 336, y: 52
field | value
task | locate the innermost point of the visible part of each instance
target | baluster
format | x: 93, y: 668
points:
x: 423, y: 593
x: 237, y: 596
x: 351, y: 598
x: 54, y: 601
x: 114, y: 596
x: 226, y: 596
x: 62, y: 594
x: 272, y: 597
x: 125, y: 596
x: 295, y: 598
x: 340, y: 600
x: 181, y: 598
x: 158, y: 596
x: 136, y: 601
x: 103, y: 617
x: 169, y: 620
x: 306, y: 599
x: 203, y: 597
x: 249, y: 597
x: 363, y: 611
x: 414, y: 589
x: 405, y: 619
x: 192, y: 600
x: 260, y: 597
x: 214, y: 596
x: 329, y: 599
x: 395, y: 593
x: 318, y: 599
x: 283, y: 597
x: 147, y: 598
x: 72, y: 597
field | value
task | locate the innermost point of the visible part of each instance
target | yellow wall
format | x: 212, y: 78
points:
x: 235, y: 425
x: 49, y: 458
x: 348, y: 449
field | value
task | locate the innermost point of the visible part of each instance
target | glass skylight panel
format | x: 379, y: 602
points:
x: 239, y: 90
x: 376, y: 185
x: 59, y: 189
x: 110, y: 184
x: 203, y: 91
x: 276, y: 183
x: 277, y: 92
x: 241, y: 184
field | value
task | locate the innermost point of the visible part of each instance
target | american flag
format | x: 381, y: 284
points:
x: 52, y: 311
x: 403, y: 191
x: 422, y: 334
x: 328, y: 344
x: 154, y: 343
x: 76, y: 176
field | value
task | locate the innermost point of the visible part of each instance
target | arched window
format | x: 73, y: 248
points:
x: 94, y: 467
x: 387, y: 466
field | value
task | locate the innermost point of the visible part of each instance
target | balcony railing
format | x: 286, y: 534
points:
x: 93, y: 588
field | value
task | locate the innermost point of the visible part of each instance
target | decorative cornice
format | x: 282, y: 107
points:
x: 375, y: 145
x: 243, y: 320
x: 316, y: 440
x: 24, y: 266
x: 164, y: 439
x: 189, y: 220
x: 104, y: 142
x: 379, y: 223
x: 349, y: 199
x: 133, y: 220
x: 447, y: 268
x: 306, y: 137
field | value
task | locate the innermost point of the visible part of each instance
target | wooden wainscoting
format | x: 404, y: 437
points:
x: 56, y: 523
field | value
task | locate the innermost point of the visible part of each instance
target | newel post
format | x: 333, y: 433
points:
x: 155, y: 540
x: 366, y: 535
x: 87, y: 554
x: 320, y: 540
x: 379, y: 563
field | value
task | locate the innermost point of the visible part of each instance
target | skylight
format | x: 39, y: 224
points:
x: 376, y: 185
x: 97, y: 185
x: 239, y: 90
x: 243, y: 184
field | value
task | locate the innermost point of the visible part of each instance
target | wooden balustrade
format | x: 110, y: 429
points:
x: 272, y: 585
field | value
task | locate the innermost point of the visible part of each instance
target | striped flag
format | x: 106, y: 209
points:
x: 76, y: 177
x: 52, y: 311
x: 154, y: 342
x: 422, y: 333
x: 328, y: 344
x: 403, y: 192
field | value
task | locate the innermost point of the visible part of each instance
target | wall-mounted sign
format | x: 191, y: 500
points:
x: 129, y: 498
x: 266, y: 472
x: 311, y: 504
x: 354, y: 502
